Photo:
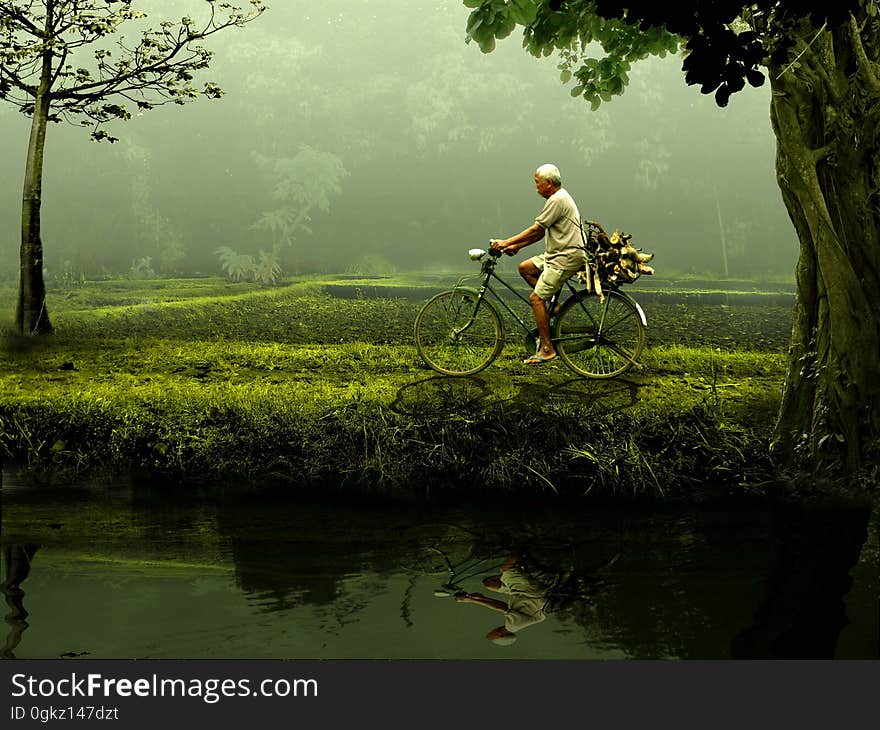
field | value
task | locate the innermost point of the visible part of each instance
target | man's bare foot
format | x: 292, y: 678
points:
x: 539, y: 357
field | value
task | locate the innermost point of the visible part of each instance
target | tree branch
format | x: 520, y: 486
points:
x: 13, y: 80
x: 104, y: 86
x: 806, y: 48
x: 818, y: 67
x: 10, y: 12
x: 58, y: 71
x: 162, y: 66
x: 157, y: 70
x: 128, y: 84
x: 863, y: 64
x: 820, y: 153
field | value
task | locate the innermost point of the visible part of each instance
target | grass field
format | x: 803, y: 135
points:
x: 314, y: 383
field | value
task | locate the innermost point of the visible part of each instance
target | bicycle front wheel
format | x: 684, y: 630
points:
x: 599, y: 339
x: 457, y: 333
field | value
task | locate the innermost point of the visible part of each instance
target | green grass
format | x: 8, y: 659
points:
x: 200, y: 379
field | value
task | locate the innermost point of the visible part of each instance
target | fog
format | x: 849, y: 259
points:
x: 366, y: 136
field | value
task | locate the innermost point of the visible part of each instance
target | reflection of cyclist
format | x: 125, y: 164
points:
x: 563, y: 257
x: 527, y: 599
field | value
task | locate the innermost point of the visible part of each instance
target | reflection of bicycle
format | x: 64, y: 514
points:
x: 448, y: 550
x: 460, y: 332
x: 455, y: 554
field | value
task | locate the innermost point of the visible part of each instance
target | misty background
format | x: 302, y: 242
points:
x: 365, y: 136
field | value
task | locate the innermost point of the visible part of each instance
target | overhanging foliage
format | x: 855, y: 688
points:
x: 721, y: 55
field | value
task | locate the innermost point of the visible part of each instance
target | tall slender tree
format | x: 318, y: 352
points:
x: 66, y: 60
x: 823, y: 61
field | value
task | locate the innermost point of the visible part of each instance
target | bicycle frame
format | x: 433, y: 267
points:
x: 488, y: 273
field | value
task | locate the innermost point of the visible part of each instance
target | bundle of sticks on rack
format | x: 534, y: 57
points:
x: 612, y: 259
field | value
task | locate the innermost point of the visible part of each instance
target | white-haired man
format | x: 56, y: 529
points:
x: 564, y: 254
x: 526, y: 599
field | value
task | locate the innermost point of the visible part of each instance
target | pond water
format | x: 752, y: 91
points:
x: 140, y: 571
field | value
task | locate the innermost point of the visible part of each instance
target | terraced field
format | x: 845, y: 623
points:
x: 318, y: 381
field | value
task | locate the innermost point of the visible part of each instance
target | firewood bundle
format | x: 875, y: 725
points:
x: 611, y: 259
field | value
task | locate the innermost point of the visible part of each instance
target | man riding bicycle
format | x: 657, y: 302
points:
x: 564, y: 254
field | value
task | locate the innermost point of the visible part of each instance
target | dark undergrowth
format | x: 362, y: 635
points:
x: 693, y: 453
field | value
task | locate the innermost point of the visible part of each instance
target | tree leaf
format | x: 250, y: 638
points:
x: 755, y: 77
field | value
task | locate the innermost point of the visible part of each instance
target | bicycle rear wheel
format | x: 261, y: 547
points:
x: 599, y: 339
x: 457, y: 333
x: 435, y: 548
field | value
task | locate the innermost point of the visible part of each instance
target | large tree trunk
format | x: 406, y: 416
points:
x: 31, y: 315
x: 825, y: 111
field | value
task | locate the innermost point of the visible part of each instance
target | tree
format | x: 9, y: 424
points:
x: 64, y: 60
x: 299, y: 185
x: 823, y: 61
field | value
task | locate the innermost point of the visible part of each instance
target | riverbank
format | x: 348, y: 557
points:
x: 206, y: 380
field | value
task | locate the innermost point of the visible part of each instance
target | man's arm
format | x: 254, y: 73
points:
x: 513, y: 244
x: 481, y: 600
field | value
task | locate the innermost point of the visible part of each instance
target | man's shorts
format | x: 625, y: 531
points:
x: 551, y: 279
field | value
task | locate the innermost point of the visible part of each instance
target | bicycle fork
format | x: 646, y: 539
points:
x: 457, y: 332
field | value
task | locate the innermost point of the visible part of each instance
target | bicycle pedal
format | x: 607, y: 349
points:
x: 445, y: 591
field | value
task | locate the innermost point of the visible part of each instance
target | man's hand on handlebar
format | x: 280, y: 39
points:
x: 495, y: 245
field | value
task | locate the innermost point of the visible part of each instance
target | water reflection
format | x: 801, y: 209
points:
x: 16, y: 567
x: 138, y: 571
x: 288, y: 555
x: 802, y: 611
x: 532, y: 592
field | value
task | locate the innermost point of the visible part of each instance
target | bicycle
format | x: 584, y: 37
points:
x: 456, y: 553
x: 438, y: 549
x: 460, y: 332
